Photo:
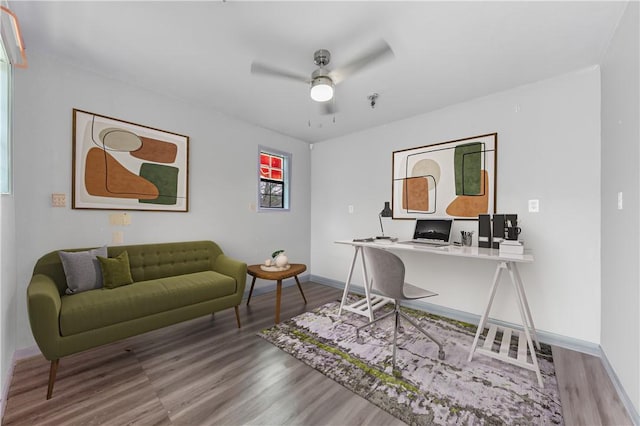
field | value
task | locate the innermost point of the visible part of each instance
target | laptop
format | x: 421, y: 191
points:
x: 434, y: 232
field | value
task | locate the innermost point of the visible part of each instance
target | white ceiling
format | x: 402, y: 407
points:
x: 445, y: 52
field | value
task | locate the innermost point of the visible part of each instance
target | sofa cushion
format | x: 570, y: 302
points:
x: 82, y: 269
x: 103, y: 307
x: 116, y: 271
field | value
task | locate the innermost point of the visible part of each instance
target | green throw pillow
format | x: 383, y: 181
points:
x: 115, y: 270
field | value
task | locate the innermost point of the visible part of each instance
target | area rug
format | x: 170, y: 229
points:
x: 428, y: 391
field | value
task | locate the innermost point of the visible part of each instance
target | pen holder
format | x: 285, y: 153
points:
x: 467, y: 238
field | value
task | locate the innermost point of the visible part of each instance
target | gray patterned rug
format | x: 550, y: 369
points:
x: 429, y: 391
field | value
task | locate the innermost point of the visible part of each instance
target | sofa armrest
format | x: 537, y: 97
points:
x: 43, y: 303
x: 233, y: 268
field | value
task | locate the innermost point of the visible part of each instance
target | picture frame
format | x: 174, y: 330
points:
x: 453, y: 179
x: 120, y: 165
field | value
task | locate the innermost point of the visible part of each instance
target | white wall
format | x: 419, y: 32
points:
x: 621, y: 228
x: 222, y: 174
x: 549, y: 150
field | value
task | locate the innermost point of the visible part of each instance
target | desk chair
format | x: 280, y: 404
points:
x: 387, y: 279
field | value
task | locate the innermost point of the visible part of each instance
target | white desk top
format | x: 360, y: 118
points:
x: 471, y: 252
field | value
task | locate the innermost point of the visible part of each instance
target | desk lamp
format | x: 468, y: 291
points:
x: 386, y: 212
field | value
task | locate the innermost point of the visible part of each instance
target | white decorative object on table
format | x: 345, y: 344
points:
x: 282, y: 260
x: 278, y: 262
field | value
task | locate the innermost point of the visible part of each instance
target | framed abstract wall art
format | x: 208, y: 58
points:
x: 450, y: 179
x: 118, y: 165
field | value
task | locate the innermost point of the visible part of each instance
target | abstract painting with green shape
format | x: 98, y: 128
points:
x: 163, y: 177
x: 468, y: 167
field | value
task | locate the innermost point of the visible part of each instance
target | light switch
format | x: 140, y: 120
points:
x: 619, y: 200
x: 58, y: 200
x: 350, y: 208
x: 534, y: 206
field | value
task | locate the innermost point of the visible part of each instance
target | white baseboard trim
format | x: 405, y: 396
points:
x: 544, y: 336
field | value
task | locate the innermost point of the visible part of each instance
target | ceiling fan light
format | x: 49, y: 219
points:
x: 321, y: 89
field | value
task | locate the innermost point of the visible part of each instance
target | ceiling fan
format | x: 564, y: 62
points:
x: 323, y: 81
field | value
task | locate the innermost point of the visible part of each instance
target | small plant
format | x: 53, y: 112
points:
x: 276, y: 253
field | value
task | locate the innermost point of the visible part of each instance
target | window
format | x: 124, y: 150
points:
x: 5, y: 121
x: 273, y: 185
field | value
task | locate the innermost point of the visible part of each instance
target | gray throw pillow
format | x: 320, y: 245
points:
x: 82, y: 269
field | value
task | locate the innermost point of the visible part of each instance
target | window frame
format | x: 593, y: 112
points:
x: 6, y: 181
x: 286, y: 180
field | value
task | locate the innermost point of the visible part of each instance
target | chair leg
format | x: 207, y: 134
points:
x: 237, y: 316
x: 420, y: 329
x: 52, y: 376
x: 395, y: 338
x: 371, y: 323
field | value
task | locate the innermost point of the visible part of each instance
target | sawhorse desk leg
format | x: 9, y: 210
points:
x: 525, y: 342
x: 371, y: 302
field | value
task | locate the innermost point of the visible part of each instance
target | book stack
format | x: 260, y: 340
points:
x: 511, y: 247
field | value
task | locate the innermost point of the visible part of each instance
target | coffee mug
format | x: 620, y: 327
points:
x: 511, y: 233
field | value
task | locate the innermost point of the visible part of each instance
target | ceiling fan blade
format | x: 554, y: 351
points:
x: 377, y: 52
x: 258, y: 68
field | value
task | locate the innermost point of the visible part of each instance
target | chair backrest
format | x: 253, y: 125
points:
x: 386, y: 271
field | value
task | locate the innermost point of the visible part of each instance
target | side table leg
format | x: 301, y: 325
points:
x: 253, y: 282
x: 348, y: 282
x: 485, y: 315
x: 278, y: 297
x: 300, y: 288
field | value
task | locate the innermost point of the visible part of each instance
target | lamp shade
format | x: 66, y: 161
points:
x: 321, y: 89
x: 386, y: 211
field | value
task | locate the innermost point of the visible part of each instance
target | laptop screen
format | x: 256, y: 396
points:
x: 433, y: 229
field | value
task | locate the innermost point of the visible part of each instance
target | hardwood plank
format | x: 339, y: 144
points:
x: 587, y: 395
x: 207, y: 371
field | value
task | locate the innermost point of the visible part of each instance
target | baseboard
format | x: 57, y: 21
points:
x: 626, y: 401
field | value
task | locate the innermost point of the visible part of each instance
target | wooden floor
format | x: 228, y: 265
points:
x: 208, y: 372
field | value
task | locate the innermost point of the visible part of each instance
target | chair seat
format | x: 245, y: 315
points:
x: 412, y: 292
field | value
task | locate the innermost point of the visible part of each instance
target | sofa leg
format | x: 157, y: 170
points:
x: 52, y: 377
x: 237, y: 316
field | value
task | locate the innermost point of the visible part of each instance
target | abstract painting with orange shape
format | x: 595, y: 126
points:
x: 118, y: 165
x: 449, y: 179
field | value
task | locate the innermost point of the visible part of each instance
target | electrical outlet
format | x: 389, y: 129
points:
x: 534, y: 206
x: 350, y: 208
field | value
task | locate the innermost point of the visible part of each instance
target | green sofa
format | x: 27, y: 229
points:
x: 172, y: 282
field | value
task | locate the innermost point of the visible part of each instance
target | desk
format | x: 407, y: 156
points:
x: 504, y: 263
x: 295, y: 269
